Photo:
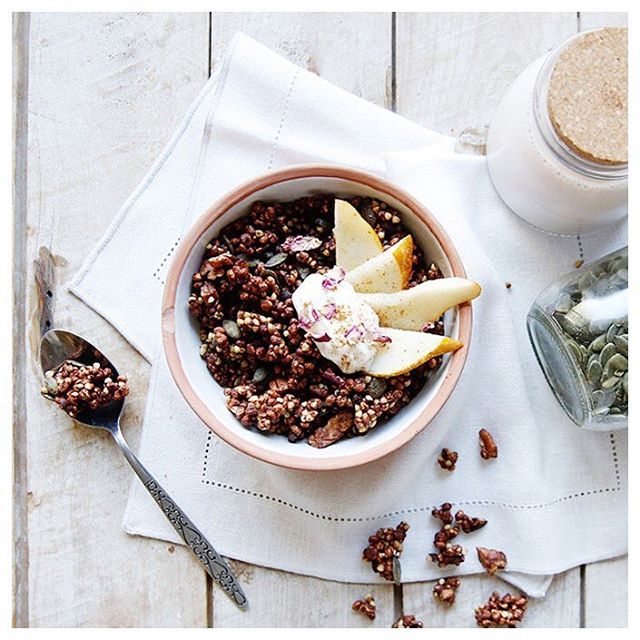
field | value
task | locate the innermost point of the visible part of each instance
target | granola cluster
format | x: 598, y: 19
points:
x: 501, y: 611
x: 366, y: 606
x: 274, y: 378
x: 447, y: 459
x: 76, y: 388
x: 444, y: 591
x: 407, y: 622
x: 492, y: 560
x: 384, y: 549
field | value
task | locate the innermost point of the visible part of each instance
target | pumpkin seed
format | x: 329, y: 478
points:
x: 625, y: 383
x: 575, y: 350
x: 610, y: 383
x: 594, y: 371
x: 304, y: 272
x: 277, y: 259
x: 614, y: 411
x: 598, y: 343
x: 564, y: 303
x: 50, y: 385
x: 376, y: 387
x: 622, y: 344
x: 613, y: 331
x: 231, y: 328
x: 617, y: 366
x: 586, y: 281
x: 260, y: 375
x: 607, y: 352
x: 599, y: 399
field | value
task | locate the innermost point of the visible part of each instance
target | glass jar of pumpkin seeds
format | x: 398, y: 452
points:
x: 579, y: 331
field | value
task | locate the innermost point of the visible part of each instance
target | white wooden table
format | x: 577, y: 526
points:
x: 97, y: 96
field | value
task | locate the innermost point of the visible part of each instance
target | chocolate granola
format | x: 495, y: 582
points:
x: 273, y: 375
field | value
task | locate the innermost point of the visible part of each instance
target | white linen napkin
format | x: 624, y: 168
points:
x: 556, y: 496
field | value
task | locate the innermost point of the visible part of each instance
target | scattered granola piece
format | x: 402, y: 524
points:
x: 488, y: 447
x: 451, y: 554
x: 578, y: 263
x: 501, y: 611
x: 447, y: 459
x: 507, y: 285
x: 447, y: 532
x: 385, y: 545
x: 492, y: 559
x: 443, y: 513
x: 444, y: 590
x: 366, y: 606
x: 469, y: 523
x: 407, y: 622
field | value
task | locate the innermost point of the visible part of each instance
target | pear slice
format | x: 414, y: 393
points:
x: 408, y: 350
x: 385, y: 273
x: 356, y: 240
x: 426, y: 302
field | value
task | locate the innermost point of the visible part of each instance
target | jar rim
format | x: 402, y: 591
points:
x: 560, y: 149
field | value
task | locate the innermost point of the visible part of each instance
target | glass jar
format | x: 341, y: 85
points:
x: 579, y: 331
x: 564, y: 183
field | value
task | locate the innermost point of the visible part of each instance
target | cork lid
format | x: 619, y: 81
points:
x: 587, y: 96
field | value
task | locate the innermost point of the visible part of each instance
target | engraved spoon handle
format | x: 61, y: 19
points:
x: 212, y: 562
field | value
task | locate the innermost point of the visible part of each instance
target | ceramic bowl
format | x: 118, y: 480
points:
x: 205, y: 396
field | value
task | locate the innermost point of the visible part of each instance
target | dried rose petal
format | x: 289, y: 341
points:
x: 325, y: 337
x: 295, y: 244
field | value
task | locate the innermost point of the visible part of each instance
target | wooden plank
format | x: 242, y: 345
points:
x: 354, y: 52
x: 594, y: 20
x: 280, y: 599
x: 20, y: 118
x: 453, y: 68
x: 105, y: 93
x: 606, y: 593
x: 560, y: 608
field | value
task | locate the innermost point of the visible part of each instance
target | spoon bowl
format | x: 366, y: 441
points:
x: 57, y: 347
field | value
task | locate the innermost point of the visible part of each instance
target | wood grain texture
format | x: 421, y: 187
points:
x: 453, y: 68
x: 606, y: 593
x: 20, y: 119
x: 280, y: 599
x: 560, y: 608
x: 105, y: 93
x: 594, y: 20
x: 352, y: 50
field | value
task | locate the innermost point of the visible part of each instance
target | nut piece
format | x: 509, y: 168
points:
x: 407, y: 622
x: 488, y: 447
x: 366, y: 606
x: 443, y: 513
x: 444, y: 590
x: 492, y: 559
x: 505, y: 611
x: 447, y: 459
x: 468, y: 523
x: 385, y: 545
x: 331, y: 432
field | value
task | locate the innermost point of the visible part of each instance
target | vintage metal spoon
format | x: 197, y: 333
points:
x: 58, y: 346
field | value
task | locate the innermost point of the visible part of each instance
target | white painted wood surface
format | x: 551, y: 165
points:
x: 94, y: 127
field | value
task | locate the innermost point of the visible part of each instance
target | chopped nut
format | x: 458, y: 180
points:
x: 443, y: 513
x: 578, y: 263
x: 444, y: 590
x: 488, y: 447
x: 385, y: 545
x: 447, y: 459
x: 492, y: 559
x: 407, y: 622
x: 335, y: 428
x: 501, y: 611
x: 366, y: 606
x: 468, y: 523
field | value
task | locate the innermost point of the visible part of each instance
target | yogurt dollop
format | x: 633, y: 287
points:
x: 345, y: 329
